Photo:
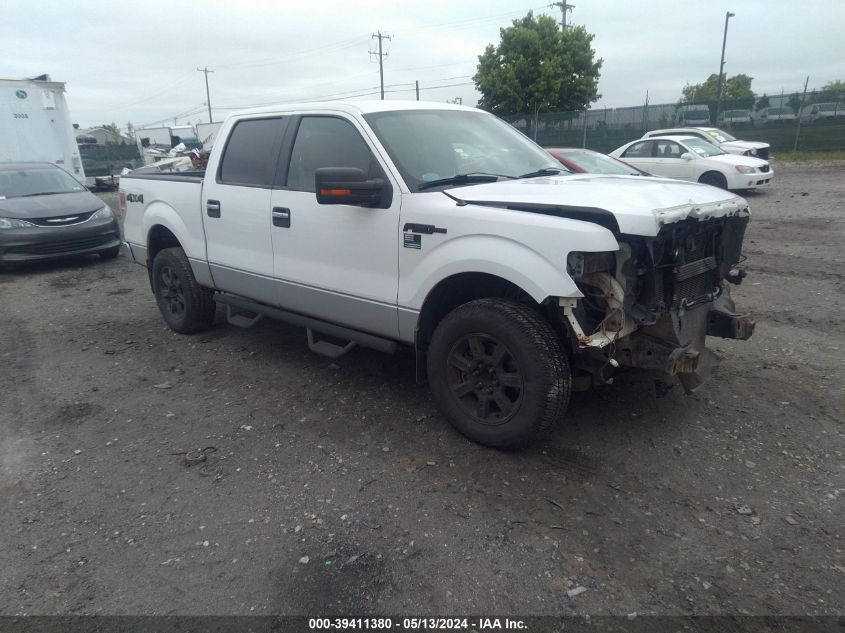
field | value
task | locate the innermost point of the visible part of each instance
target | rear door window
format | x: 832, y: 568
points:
x: 251, y: 153
x: 639, y: 150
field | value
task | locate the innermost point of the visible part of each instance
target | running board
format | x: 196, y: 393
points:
x: 326, y: 348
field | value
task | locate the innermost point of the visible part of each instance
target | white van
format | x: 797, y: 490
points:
x: 692, y: 115
x: 775, y: 115
x: 822, y: 111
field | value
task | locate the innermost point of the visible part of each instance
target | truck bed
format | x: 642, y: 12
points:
x: 176, y: 176
x: 170, y: 199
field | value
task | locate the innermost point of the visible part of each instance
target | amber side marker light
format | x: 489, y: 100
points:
x: 335, y: 192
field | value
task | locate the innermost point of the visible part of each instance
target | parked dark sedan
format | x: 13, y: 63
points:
x: 586, y: 161
x: 46, y: 213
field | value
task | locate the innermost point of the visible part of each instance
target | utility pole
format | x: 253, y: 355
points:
x: 728, y: 16
x: 417, y: 83
x: 207, y: 95
x: 381, y: 56
x: 800, y: 108
x: 564, y: 7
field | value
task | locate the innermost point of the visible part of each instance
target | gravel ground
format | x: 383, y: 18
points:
x: 339, y: 488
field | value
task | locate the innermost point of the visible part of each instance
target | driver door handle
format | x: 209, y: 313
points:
x: 281, y: 217
x: 212, y: 208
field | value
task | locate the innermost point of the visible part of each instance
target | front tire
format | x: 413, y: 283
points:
x: 499, y: 373
x: 714, y: 179
x: 186, y: 306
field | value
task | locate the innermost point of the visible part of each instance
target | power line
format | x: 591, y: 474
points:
x: 193, y: 110
x: 317, y: 50
x: 131, y: 104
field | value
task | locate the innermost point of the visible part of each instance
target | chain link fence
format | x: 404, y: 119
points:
x: 791, y: 121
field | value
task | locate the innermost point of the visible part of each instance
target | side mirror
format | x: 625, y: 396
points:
x: 349, y: 185
x: 687, y: 156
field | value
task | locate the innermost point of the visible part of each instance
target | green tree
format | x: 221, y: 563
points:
x: 838, y: 86
x: 762, y: 102
x: 536, y: 67
x: 736, y: 88
x: 112, y: 129
x: 130, y: 130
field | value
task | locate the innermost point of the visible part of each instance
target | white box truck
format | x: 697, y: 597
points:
x: 35, y: 124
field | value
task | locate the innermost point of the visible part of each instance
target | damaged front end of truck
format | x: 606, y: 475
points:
x: 651, y: 304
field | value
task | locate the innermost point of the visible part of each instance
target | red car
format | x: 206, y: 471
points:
x: 586, y: 161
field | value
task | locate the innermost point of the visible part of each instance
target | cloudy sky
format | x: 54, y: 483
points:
x: 137, y: 61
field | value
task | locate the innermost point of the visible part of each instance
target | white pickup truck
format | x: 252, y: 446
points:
x: 443, y: 228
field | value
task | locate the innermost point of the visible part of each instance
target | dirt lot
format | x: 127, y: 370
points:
x: 339, y: 488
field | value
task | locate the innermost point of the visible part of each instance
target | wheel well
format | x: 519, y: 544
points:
x: 712, y: 172
x: 465, y: 287
x: 159, y: 237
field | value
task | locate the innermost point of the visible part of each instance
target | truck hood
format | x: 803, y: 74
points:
x: 744, y: 145
x: 72, y: 203
x: 635, y: 205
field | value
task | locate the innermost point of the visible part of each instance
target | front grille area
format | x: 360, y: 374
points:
x: 763, y: 153
x: 62, y: 220
x: 65, y: 246
x: 695, y: 255
x: 694, y: 287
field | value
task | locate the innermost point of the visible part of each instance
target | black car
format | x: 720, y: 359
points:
x: 46, y: 213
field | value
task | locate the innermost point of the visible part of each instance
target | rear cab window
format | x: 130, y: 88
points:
x: 251, y: 154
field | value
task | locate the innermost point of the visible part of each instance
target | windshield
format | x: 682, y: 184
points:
x: 595, y: 163
x: 702, y: 148
x: 32, y: 181
x: 721, y: 136
x: 429, y: 145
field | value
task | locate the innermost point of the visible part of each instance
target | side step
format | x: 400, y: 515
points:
x: 326, y: 348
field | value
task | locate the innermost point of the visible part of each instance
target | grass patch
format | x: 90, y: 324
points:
x: 819, y: 156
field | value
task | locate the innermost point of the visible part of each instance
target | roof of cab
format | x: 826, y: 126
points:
x: 353, y: 107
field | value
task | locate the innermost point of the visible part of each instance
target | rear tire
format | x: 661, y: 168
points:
x: 186, y: 306
x: 714, y: 179
x: 498, y: 372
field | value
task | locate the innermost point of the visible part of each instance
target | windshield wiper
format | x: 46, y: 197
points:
x: 546, y: 171
x: 462, y: 179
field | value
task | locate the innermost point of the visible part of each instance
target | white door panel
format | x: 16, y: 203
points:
x: 236, y: 207
x: 336, y: 262
x: 240, y: 237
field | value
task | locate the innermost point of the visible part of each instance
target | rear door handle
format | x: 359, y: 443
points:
x: 281, y: 217
x: 212, y: 208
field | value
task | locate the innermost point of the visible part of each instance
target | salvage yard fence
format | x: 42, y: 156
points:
x: 805, y: 122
